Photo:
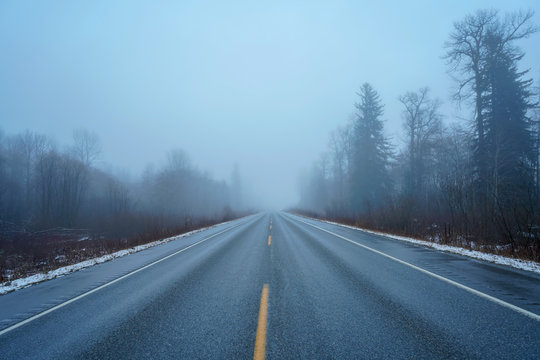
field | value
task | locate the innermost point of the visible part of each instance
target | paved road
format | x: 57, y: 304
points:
x: 331, y: 292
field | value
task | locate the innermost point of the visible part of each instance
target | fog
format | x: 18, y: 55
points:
x: 258, y: 84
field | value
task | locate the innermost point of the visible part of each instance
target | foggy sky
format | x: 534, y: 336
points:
x: 256, y: 83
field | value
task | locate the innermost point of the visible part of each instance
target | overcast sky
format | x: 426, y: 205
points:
x: 258, y: 83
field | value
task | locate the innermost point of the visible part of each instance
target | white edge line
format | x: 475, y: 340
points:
x: 514, y: 263
x: 78, y: 297
x: 442, y: 278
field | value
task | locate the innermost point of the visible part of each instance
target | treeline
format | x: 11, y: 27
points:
x: 474, y: 184
x: 43, y: 187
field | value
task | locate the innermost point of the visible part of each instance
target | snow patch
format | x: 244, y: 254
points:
x: 17, y: 284
x: 497, y: 259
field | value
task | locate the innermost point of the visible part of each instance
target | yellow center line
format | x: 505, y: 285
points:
x: 260, y: 339
x: 269, y: 240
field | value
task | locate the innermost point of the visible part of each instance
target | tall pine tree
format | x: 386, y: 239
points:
x: 509, y: 135
x: 370, y: 153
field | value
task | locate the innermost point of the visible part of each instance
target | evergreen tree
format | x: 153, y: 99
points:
x: 482, y: 50
x: 473, y: 46
x: 509, y: 136
x: 370, y: 153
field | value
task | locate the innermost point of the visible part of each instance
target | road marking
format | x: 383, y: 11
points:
x: 59, y: 306
x: 260, y: 338
x: 442, y: 278
x: 269, y: 240
x: 270, y: 226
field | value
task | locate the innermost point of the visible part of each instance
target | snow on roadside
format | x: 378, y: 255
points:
x: 497, y: 259
x: 17, y: 284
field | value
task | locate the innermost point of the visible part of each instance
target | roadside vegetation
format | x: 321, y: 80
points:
x: 58, y: 208
x: 473, y: 183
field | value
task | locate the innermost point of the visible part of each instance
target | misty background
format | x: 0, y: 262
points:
x: 257, y: 84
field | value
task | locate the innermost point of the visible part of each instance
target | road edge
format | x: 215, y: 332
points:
x: 519, y: 264
x: 38, y: 278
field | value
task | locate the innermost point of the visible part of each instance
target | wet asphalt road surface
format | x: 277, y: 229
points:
x: 328, y: 298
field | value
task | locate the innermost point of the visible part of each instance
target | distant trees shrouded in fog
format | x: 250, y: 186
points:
x: 477, y: 184
x: 42, y: 187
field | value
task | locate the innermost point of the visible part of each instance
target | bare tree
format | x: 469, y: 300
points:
x: 32, y: 146
x: 339, y: 153
x: 86, y: 147
x: 47, y: 180
x: 423, y: 124
x: 178, y: 159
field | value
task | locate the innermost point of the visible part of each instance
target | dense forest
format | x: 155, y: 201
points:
x: 52, y: 199
x: 472, y: 183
